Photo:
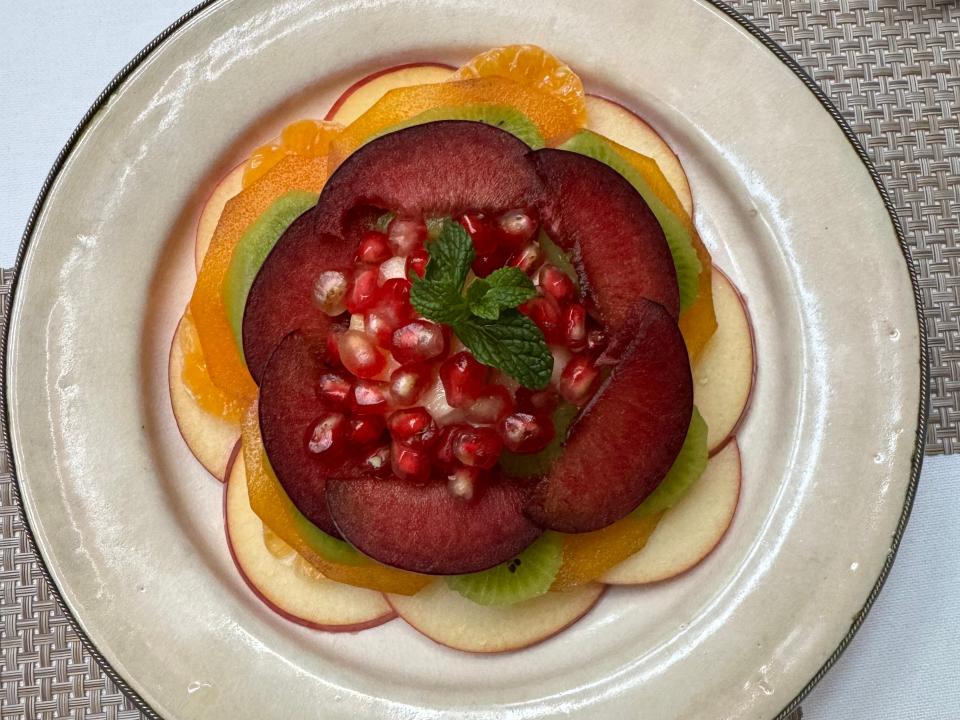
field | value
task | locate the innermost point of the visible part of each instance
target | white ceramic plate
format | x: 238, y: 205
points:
x: 131, y: 527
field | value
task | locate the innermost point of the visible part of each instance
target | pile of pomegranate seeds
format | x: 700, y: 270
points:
x: 403, y: 398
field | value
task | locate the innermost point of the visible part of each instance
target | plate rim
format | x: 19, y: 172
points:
x: 717, y: 5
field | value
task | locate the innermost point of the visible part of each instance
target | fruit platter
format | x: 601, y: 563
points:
x: 461, y: 358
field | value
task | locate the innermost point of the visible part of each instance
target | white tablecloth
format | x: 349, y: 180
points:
x: 55, y: 58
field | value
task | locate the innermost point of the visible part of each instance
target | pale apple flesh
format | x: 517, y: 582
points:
x: 448, y: 618
x: 209, y: 437
x: 723, y: 375
x: 284, y: 581
x: 691, y: 529
x: 360, y: 97
x: 229, y: 186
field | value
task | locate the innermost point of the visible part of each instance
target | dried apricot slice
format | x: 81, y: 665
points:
x: 307, y: 138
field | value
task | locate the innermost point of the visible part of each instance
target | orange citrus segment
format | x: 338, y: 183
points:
x: 197, y: 379
x: 551, y: 115
x: 307, y: 138
x: 533, y: 66
x: 274, y: 507
x: 588, y: 556
x: 224, y: 362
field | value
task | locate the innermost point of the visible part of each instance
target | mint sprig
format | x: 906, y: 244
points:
x: 484, y: 318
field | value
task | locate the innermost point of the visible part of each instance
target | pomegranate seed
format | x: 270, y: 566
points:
x: 414, y: 427
x: 333, y: 346
x: 364, y: 290
x: 463, y: 379
x: 365, y: 430
x: 409, y: 463
x: 417, y: 263
x: 417, y: 341
x: 377, y: 325
x: 333, y: 390
x: 577, y: 380
x: 408, y: 383
x: 377, y: 462
x: 537, y: 402
x: 327, y: 434
x: 443, y: 453
x: 526, y: 433
x: 477, y: 447
x: 360, y: 356
x: 406, y: 235
x: 369, y: 397
x: 463, y: 481
x: 481, y: 231
x: 330, y: 292
x: 492, y: 405
x: 483, y: 265
x: 557, y: 284
x: 545, y: 313
x: 393, y: 269
x: 374, y: 247
x: 527, y: 257
x: 394, y: 300
x: 575, y: 327
x: 518, y: 226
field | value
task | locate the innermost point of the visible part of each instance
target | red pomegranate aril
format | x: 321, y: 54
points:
x: 377, y: 325
x: 374, y: 247
x: 443, y: 452
x: 394, y: 300
x: 364, y: 290
x: 333, y: 390
x: 406, y: 235
x: 417, y: 262
x: 481, y: 231
x: 333, y: 346
x: 545, y: 313
x: 557, y: 284
x: 526, y: 433
x: 537, y: 402
x: 414, y: 427
x: 408, y: 463
x: 377, y: 462
x: 527, y: 257
x: 416, y: 342
x: 517, y: 226
x: 369, y: 398
x: 477, y: 447
x: 463, y: 482
x: 483, y: 265
x: 360, y: 356
x: 578, y: 380
x: 366, y: 430
x: 575, y: 327
x: 408, y: 383
x: 327, y: 434
x: 463, y: 379
x: 330, y: 292
x: 492, y: 405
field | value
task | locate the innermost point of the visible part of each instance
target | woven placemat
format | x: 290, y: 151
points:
x: 892, y: 67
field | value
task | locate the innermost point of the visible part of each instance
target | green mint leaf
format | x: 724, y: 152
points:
x: 451, y: 255
x: 510, y: 277
x: 501, y: 290
x: 512, y: 343
x: 439, y: 302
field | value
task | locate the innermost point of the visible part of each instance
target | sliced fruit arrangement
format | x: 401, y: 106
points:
x: 477, y: 354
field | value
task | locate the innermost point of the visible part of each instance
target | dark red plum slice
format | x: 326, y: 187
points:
x: 628, y: 435
x: 617, y: 244
x: 425, y: 529
x: 288, y: 408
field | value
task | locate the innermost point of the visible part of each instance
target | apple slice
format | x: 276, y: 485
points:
x: 230, y: 185
x: 448, y: 618
x: 724, y: 373
x: 360, y: 97
x: 623, y: 126
x: 287, y: 583
x: 691, y: 529
x: 210, y: 438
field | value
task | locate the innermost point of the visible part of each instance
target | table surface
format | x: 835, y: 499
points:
x: 55, y: 58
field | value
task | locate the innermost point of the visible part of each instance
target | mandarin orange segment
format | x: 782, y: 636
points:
x: 197, y: 380
x: 533, y: 66
x: 552, y: 116
x: 224, y: 362
x: 278, y: 513
x: 588, y: 556
x: 307, y: 138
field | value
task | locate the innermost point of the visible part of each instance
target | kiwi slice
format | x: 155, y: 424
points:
x: 499, y: 116
x: 252, y: 250
x: 678, y: 237
x: 685, y: 471
x: 530, y: 464
x: 528, y: 575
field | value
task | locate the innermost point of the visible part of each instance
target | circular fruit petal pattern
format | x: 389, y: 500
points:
x: 306, y: 138
x: 533, y: 66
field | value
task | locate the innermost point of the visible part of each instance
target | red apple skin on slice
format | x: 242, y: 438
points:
x: 361, y: 96
x: 287, y: 584
x: 288, y: 408
x: 690, y: 530
x: 725, y: 371
x: 633, y: 429
x: 448, y: 618
x: 425, y: 529
x: 228, y: 187
x: 623, y: 126
x: 617, y: 244
x: 211, y: 439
